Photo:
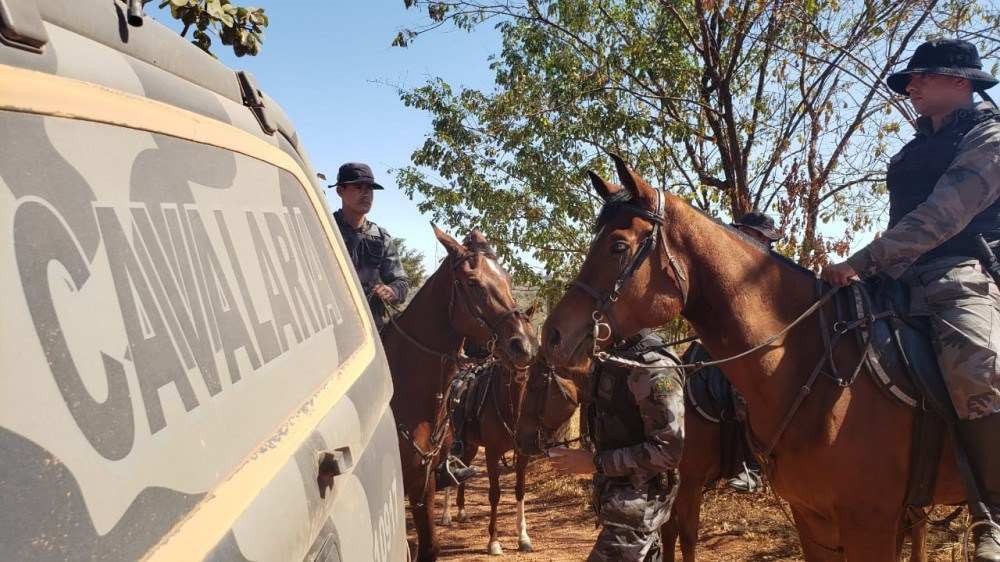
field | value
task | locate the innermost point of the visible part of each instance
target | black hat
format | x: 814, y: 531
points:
x: 761, y: 223
x: 356, y: 172
x: 951, y: 57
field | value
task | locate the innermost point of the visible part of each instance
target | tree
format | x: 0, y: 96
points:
x: 413, y: 264
x: 734, y: 104
x: 237, y: 26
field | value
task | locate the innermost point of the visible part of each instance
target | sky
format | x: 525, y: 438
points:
x: 329, y: 64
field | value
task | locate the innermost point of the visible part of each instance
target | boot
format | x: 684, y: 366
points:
x: 981, y: 438
x: 446, y: 475
x: 748, y: 480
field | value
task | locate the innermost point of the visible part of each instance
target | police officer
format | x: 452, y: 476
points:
x: 636, y: 422
x: 371, y: 248
x: 943, y: 205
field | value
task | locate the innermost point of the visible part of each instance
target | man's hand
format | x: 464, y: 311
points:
x: 839, y: 274
x: 572, y: 461
x: 385, y: 293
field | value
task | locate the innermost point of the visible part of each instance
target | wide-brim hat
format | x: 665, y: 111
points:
x: 949, y: 57
x: 356, y: 172
x: 761, y: 223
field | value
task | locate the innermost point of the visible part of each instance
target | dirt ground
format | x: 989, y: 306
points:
x: 733, y: 527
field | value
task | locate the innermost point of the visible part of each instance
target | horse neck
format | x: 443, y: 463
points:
x: 427, y: 319
x: 740, y: 295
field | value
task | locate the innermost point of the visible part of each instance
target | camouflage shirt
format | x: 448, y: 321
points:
x: 970, y: 185
x: 658, y: 395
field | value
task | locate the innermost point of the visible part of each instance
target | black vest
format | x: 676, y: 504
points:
x: 615, y: 421
x: 915, y: 171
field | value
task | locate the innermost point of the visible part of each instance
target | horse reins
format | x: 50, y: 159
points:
x: 602, y: 329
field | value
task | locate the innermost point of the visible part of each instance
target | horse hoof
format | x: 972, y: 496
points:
x: 525, y: 546
x: 446, y: 521
x: 495, y: 548
x: 463, y: 516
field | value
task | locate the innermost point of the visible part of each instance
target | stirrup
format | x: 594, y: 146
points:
x: 464, y: 471
x: 748, y: 477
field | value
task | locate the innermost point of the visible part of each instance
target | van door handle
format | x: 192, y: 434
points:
x: 333, y: 464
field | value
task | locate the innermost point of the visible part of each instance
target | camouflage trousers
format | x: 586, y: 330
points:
x: 631, y: 519
x: 963, y: 304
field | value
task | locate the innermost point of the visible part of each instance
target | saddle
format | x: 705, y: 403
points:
x: 471, y: 396
x: 709, y: 393
x: 901, y: 360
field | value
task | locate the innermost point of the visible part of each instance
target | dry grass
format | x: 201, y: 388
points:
x: 733, y: 526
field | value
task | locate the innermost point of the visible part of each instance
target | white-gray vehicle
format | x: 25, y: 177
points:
x: 188, y: 369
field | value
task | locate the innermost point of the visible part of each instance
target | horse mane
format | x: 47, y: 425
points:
x: 623, y: 198
x: 611, y: 206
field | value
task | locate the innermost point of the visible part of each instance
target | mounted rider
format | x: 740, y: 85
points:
x: 759, y: 227
x: 636, y: 420
x: 944, y: 211
x: 372, y: 250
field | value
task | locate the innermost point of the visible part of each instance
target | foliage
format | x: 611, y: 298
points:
x: 778, y: 105
x: 237, y: 26
x: 413, y: 264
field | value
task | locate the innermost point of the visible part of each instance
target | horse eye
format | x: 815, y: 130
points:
x: 619, y: 247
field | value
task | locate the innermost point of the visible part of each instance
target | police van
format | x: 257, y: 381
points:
x: 189, y: 370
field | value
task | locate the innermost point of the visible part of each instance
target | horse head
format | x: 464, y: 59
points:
x: 549, y: 403
x: 482, y: 305
x: 621, y: 287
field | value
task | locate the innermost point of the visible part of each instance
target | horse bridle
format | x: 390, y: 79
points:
x: 549, y: 376
x: 477, y: 313
x: 602, y: 330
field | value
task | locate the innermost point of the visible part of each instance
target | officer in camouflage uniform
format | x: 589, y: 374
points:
x: 943, y: 208
x: 637, y: 427
x: 371, y: 248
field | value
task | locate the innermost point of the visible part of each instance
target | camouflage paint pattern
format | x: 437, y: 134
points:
x: 169, y: 304
x: 636, y: 487
x: 963, y: 304
x: 958, y: 296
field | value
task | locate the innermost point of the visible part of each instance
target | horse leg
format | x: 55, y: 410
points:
x: 869, y: 544
x: 523, y: 540
x: 918, y: 540
x: 683, y: 522
x: 868, y: 536
x: 914, y: 526
x: 468, y: 455
x: 817, y: 545
x: 422, y: 507
x: 446, y: 508
x: 690, y: 519
x: 668, y: 536
x: 493, y: 468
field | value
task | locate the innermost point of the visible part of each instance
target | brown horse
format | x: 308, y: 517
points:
x: 701, y: 466
x: 493, y: 429
x: 838, y: 454
x: 469, y: 296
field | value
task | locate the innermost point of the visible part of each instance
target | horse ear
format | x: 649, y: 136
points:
x: 532, y: 309
x: 476, y: 237
x: 453, y: 246
x: 603, y: 188
x: 640, y: 190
